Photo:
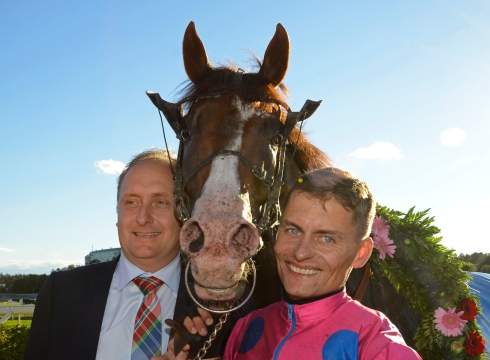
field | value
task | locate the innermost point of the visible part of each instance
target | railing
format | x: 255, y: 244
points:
x: 8, y: 312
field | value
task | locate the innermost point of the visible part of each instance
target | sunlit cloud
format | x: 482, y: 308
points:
x: 34, y: 264
x: 5, y: 250
x: 453, y: 137
x: 380, y: 150
x: 111, y: 167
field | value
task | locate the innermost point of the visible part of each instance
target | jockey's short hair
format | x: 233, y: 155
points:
x: 162, y: 156
x: 353, y: 194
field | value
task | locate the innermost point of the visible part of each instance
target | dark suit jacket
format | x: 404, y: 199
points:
x: 69, y: 312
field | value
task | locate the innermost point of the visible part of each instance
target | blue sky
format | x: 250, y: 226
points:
x: 393, y: 77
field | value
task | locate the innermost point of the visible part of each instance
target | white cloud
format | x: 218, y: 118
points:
x: 453, y: 137
x: 380, y: 150
x: 33, y: 264
x: 110, y: 166
x: 4, y: 249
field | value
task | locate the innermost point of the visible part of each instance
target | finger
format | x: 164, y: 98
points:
x: 189, y: 325
x: 182, y: 355
x: 161, y: 357
x: 206, y: 316
x: 171, y: 346
x: 200, y: 325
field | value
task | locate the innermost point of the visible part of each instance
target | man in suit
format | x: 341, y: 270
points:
x: 89, y: 312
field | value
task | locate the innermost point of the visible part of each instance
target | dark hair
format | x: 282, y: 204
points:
x: 354, y: 195
x: 162, y: 156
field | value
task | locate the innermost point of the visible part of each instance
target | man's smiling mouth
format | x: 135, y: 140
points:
x: 147, y: 234
x: 302, y: 271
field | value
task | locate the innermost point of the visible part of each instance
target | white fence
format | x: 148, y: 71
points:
x: 8, y: 312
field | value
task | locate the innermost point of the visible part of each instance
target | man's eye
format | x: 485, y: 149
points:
x: 327, y: 239
x: 293, y: 231
x: 130, y: 202
x: 162, y: 202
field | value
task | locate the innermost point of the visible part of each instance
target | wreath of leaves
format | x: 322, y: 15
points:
x: 429, y: 275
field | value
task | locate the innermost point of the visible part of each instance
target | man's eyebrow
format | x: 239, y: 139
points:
x: 163, y: 195
x: 331, y: 232
x: 156, y: 194
x: 291, y: 223
x: 320, y: 231
x: 129, y: 195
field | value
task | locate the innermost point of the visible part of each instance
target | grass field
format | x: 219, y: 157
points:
x: 7, y: 304
x: 23, y: 321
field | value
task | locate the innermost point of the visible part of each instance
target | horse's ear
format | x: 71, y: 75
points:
x: 195, y: 59
x: 276, y: 58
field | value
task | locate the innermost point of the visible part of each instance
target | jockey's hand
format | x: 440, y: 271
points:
x: 199, y: 323
x: 169, y: 355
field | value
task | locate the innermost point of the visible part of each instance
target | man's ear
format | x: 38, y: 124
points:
x: 364, y: 253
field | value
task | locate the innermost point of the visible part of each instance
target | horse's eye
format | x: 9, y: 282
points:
x: 185, y: 134
x: 277, y: 139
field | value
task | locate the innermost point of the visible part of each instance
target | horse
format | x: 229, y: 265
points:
x: 240, y: 150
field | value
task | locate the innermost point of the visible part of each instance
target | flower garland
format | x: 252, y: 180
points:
x: 430, y: 276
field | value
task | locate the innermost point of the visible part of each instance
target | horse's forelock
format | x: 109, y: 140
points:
x: 250, y: 88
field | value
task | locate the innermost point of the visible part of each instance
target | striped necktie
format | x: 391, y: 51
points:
x: 147, y: 337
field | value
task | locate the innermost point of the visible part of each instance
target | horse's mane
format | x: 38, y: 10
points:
x: 251, y: 87
x: 306, y: 156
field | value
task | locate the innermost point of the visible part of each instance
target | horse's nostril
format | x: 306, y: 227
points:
x: 196, y: 245
x: 241, y: 238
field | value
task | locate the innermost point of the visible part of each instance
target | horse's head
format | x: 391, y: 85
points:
x: 234, y: 129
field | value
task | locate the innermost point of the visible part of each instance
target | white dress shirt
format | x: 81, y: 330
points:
x: 123, y: 302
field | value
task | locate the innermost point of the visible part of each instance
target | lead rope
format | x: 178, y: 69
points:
x: 212, y: 337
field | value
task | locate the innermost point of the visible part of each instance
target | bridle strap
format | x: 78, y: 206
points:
x: 255, y: 170
x: 181, y: 200
x: 271, y: 212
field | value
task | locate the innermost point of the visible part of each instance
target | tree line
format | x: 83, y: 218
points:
x: 25, y: 284
x: 478, y: 261
x: 21, y: 284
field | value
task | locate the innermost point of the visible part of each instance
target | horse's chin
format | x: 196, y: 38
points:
x: 225, y: 296
x: 217, y: 294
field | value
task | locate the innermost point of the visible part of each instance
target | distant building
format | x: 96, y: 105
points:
x: 102, y: 255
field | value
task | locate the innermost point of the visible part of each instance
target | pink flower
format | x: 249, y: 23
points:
x: 449, y: 323
x: 380, y: 226
x: 384, y: 245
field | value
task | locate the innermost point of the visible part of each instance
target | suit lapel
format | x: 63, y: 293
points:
x: 96, y: 300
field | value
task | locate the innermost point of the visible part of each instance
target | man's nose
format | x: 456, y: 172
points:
x: 144, y: 215
x: 303, y: 250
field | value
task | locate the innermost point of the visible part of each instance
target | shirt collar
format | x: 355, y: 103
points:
x: 286, y: 298
x: 126, y: 272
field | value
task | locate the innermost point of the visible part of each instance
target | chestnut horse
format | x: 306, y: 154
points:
x: 240, y: 151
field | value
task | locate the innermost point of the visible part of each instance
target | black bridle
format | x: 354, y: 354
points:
x: 271, y: 212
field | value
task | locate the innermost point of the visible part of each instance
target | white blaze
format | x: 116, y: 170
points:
x: 222, y: 187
